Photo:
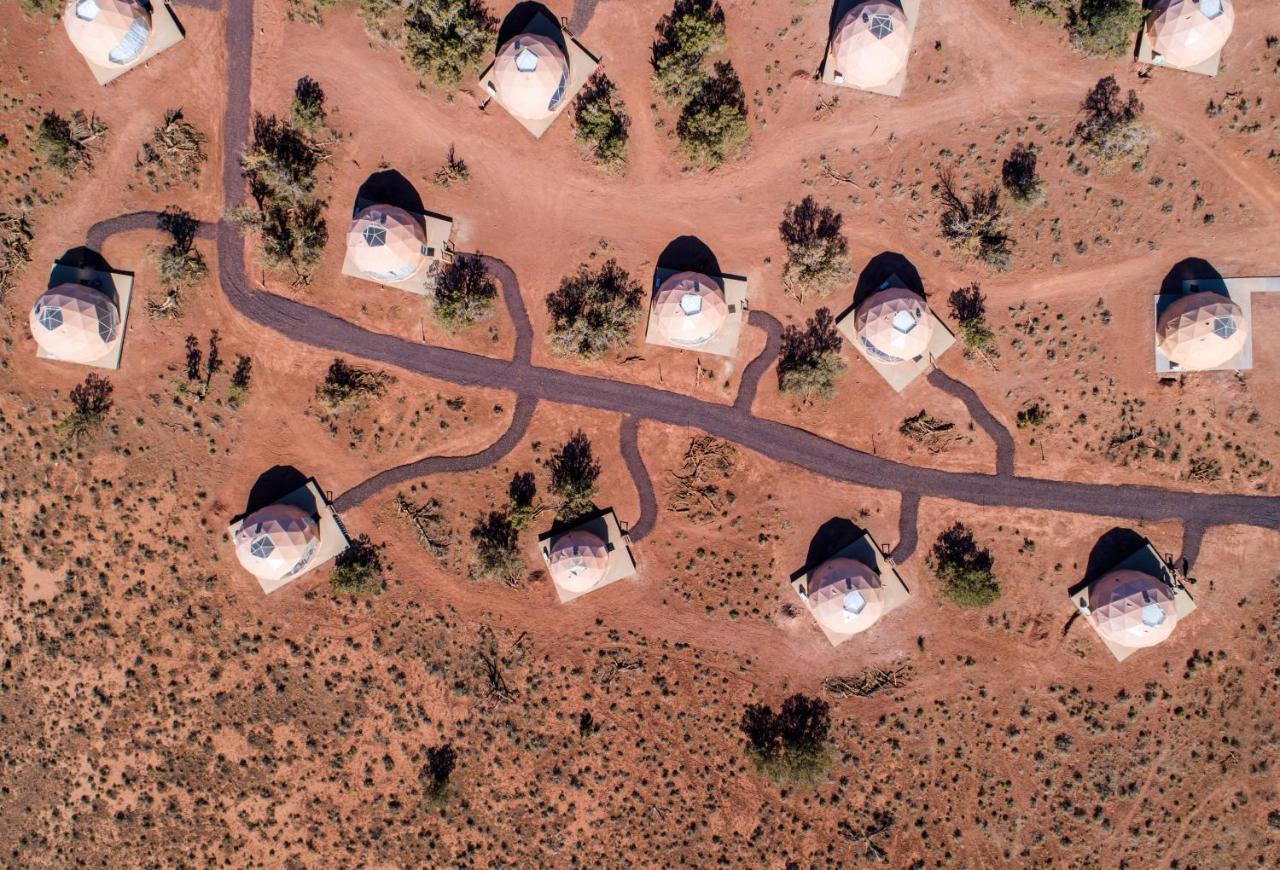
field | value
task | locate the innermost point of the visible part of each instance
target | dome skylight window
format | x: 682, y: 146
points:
x: 1153, y: 615
x: 853, y: 603
x: 881, y: 25
x: 50, y: 317
x: 262, y: 547
x: 526, y: 61
x: 87, y: 10
x: 691, y: 304
x: 1211, y: 9
x: 904, y: 321
x: 375, y: 236
x: 1224, y: 327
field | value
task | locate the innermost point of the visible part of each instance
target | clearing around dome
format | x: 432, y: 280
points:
x: 895, y: 330
x: 870, y: 45
x: 82, y: 317
x: 538, y: 72
x: 586, y: 555
x: 284, y: 540
x: 1187, y: 35
x: 696, y: 311
x: 396, y: 247
x: 849, y: 591
x: 114, y: 36
x: 1134, y: 605
x: 1208, y: 326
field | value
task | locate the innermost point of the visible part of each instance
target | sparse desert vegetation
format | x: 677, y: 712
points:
x: 1110, y: 129
x: 174, y: 155
x: 68, y: 145
x: 601, y: 123
x: 817, y: 250
x: 964, y: 568
x: 464, y: 293
x: 594, y: 311
x: 810, y: 364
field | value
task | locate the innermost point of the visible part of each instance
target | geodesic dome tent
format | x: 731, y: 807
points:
x: 689, y: 309
x: 845, y: 595
x: 75, y: 323
x: 277, y: 542
x: 108, y: 32
x: 531, y: 76
x: 1202, y: 331
x: 386, y: 243
x: 871, y: 43
x: 893, y: 325
x: 1132, y: 609
x: 1186, y: 33
x: 578, y: 560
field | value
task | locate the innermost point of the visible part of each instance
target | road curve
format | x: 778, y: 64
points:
x: 629, y: 443
x: 788, y: 444
x: 978, y: 411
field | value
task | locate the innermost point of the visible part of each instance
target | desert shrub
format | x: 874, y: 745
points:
x: 15, y: 250
x: 441, y: 760
x: 359, y: 569
x: 445, y: 40
x: 464, y: 293
x: 1050, y: 10
x: 817, y: 250
x: 791, y: 745
x: 809, y: 363
x: 1032, y: 416
x: 1105, y: 27
x: 281, y: 167
x: 497, y: 551
x: 1020, y: 177
x: 453, y: 171
x: 574, y: 471
x: 521, y: 493
x: 587, y: 725
x: 348, y: 386
x: 201, y: 367
x: 976, y: 227
x: 174, y: 155
x: 50, y: 8
x: 1110, y: 129
x: 66, y: 145
x: 241, y: 376
x: 90, y: 402
x: 691, y: 31
x: 593, y: 313
x: 600, y: 121
x: 964, y: 568
x: 713, y: 124
x: 306, y: 112
x: 969, y: 308
x: 179, y: 264
x: 931, y: 433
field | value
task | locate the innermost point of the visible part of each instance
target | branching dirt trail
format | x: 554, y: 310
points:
x: 532, y: 383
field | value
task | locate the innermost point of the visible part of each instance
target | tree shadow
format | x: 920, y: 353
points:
x: 1190, y: 269
x: 389, y: 187
x: 274, y: 484
x: 689, y: 254
x: 832, y: 537
x: 519, y: 19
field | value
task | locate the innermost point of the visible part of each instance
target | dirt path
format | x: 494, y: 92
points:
x: 318, y: 328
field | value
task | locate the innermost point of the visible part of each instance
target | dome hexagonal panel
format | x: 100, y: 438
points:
x: 1132, y: 609
x: 871, y: 44
x: 531, y: 75
x: 108, y: 32
x: 578, y: 560
x: 689, y: 309
x: 1186, y: 33
x: 277, y: 542
x: 893, y: 325
x: 1201, y: 331
x: 845, y: 595
x: 385, y: 243
x: 75, y: 323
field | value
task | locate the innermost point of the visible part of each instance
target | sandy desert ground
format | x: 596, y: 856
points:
x: 157, y: 709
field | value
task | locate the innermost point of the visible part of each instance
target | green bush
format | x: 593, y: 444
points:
x: 174, y: 155
x: 358, y: 570
x: 445, y: 40
x: 464, y: 293
x: 1105, y: 27
x: 817, y: 250
x: 180, y: 265
x: 977, y: 226
x: 593, y: 313
x: 1020, y: 177
x: 497, y: 552
x: 90, y: 402
x: 713, y: 124
x: 1049, y: 10
x: 969, y: 308
x: 809, y: 363
x: 574, y: 471
x: 1032, y: 416
x: 791, y: 745
x: 964, y: 568
x: 307, y: 110
x: 1110, y: 129
x: 66, y: 145
x: 600, y: 121
x: 348, y: 386
x: 692, y: 30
